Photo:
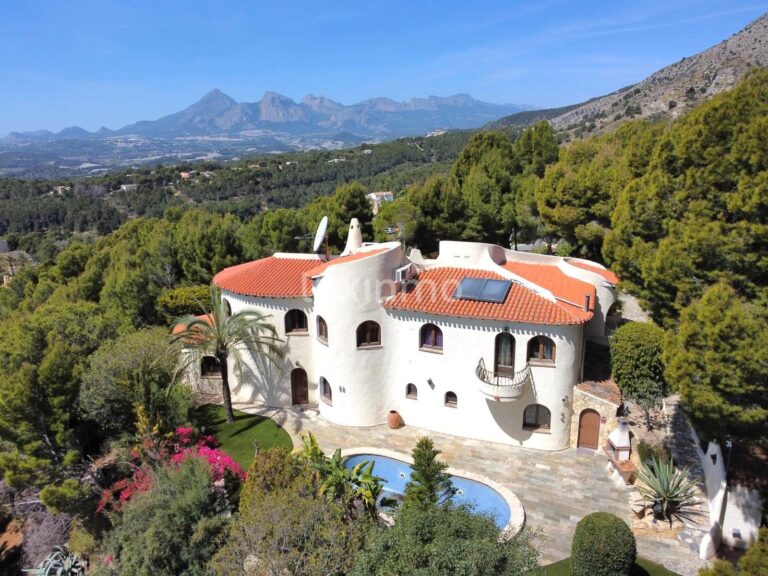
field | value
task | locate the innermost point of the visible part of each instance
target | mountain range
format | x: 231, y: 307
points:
x: 668, y: 93
x: 217, y: 114
x: 218, y: 127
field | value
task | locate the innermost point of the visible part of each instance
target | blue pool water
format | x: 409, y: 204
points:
x: 481, y: 497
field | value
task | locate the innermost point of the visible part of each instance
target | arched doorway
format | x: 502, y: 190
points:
x: 589, y: 429
x: 504, y: 361
x: 299, y: 387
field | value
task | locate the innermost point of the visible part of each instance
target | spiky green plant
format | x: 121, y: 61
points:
x: 60, y: 562
x: 661, y: 483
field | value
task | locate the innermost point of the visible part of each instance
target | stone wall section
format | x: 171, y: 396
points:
x: 583, y: 401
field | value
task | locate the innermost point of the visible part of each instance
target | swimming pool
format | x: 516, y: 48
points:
x: 479, y: 495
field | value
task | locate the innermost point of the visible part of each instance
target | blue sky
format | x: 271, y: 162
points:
x: 108, y: 62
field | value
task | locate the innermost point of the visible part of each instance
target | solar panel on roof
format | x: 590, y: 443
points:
x: 482, y: 289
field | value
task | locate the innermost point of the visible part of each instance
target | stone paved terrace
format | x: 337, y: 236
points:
x: 556, y: 488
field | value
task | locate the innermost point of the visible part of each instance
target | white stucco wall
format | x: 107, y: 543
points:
x: 367, y: 383
x: 476, y: 416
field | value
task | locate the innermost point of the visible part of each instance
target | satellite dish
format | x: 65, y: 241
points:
x: 320, y: 234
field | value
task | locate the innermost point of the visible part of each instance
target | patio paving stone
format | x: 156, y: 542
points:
x: 556, y: 488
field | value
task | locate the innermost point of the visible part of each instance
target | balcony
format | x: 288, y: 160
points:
x: 502, y: 387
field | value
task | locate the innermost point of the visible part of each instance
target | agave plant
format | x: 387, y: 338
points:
x: 669, y: 489
x: 60, y: 562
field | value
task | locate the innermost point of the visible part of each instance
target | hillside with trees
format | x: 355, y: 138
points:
x: 679, y: 210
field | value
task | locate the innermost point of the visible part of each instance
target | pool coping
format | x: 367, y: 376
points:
x: 517, y: 512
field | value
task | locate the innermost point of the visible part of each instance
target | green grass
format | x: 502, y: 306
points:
x: 238, y: 437
x: 642, y: 567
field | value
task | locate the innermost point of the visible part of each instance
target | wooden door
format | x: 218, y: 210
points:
x: 299, y: 387
x: 589, y: 429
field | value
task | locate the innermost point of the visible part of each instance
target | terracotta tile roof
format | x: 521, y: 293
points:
x: 553, y: 279
x: 320, y: 268
x: 179, y: 328
x: 271, y: 277
x: 606, y: 390
x: 433, y: 294
x: 280, y: 277
x: 607, y: 274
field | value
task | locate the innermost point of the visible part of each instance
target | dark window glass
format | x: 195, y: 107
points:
x: 431, y: 337
x: 411, y: 391
x: 541, y: 349
x: 209, y: 366
x: 322, y: 329
x: 505, y: 354
x: 536, y: 417
x: 295, y: 321
x: 368, y: 334
x: 326, y: 390
x: 451, y: 399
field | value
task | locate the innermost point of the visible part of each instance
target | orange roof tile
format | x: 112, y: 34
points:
x: 433, y: 294
x: 179, y: 328
x: 280, y: 277
x: 606, y: 390
x: 320, y: 268
x: 553, y: 279
x: 271, y: 277
x: 607, y: 274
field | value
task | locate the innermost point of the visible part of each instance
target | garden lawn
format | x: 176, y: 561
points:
x: 642, y: 567
x: 237, y: 438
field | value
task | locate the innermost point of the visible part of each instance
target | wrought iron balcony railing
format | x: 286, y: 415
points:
x: 502, y: 386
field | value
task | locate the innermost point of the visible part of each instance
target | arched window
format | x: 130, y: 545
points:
x: 451, y: 400
x: 541, y: 349
x: 295, y: 321
x: 209, y: 367
x: 326, y: 391
x: 505, y: 354
x: 368, y: 334
x: 322, y: 330
x: 536, y: 417
x: 431, y: 338
x: 227, y: 308
x: 411, y: 391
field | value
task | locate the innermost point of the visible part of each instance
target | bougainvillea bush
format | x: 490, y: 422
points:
x: 171, y: 450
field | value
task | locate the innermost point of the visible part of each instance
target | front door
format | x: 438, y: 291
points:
x: 589, y: 429
x: 299, y: 387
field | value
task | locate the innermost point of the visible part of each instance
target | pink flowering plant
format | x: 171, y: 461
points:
x: 170, y: 450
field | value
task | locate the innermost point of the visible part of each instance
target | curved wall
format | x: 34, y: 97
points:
x: 345, y: 296
x: 476, y: 416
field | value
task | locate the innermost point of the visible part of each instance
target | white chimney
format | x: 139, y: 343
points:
x: 619, y: 440
x: 354, y: 238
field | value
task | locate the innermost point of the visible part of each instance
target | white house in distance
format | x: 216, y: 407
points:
x: 481, y: 342
x: 378, y: 198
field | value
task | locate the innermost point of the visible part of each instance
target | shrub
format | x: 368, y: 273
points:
x: 176, y: 302
x: 442, y: 540
x: 636, y: 363
x: 755, y: 561
x: 286, y: 527
x: 173, y: 528
x: 603, y: 545
x: 647, y: 451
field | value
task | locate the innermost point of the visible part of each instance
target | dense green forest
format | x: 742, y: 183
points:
x: 679, y: 210
x: 37, y: 213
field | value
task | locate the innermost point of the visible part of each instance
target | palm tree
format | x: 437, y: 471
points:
x: 244, y: 335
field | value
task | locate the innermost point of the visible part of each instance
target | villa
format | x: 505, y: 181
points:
x: 481, y: 342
